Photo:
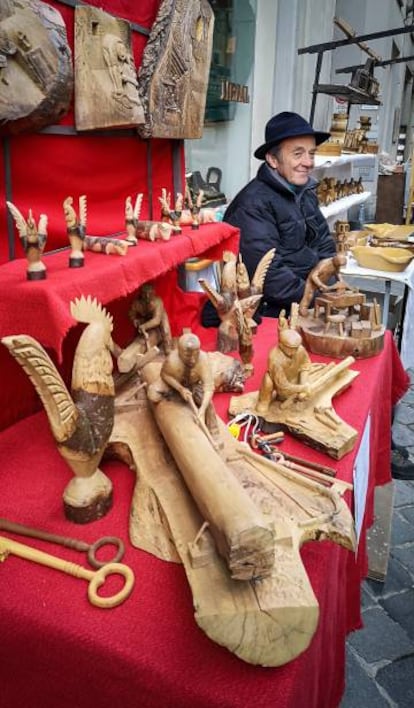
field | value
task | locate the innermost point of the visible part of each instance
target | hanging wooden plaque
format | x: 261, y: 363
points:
x: 106, y: 84
x: 36, y: 76
x: 173, y: 76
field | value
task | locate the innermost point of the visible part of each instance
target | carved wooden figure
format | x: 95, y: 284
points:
x: 131, y: 218
x: 148, y: 230
x: 343, y: 324
x: 106, y: 244
x: 187, y: 371
x: 33, y: 238
x: 194, y: 206
x: 36, y: 75
x: 148, y: 313
x: 228, y: 302
x: 173, y: 76
x: 76, y: 230
x: 298, y: 395
x: 213, y: 510
x: 106, y: 87
x: 319, y: 277
x: 81, y: 419
x: 246, y: 286
x: 287, y: 367
x: 171, y: 216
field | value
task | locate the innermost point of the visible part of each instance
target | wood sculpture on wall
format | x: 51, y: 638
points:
x: 173, y: 75
x: 36, y: 76
x: 231, y: 517
x: 106, y: 83
x: 81, y: 419
x: 33, y: 237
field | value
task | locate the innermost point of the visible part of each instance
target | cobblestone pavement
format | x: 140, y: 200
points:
x: 380, y: 657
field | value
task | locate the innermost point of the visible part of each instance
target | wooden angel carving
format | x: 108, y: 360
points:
x: 33, y: 238
x: 76, y: 230
x: 228, y: 305
x: 246, y: 287
x: 81, y: 418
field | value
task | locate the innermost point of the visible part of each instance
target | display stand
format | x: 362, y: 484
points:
x: 343, y: 167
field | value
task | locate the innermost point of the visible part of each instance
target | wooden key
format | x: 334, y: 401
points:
x: 96, y: 578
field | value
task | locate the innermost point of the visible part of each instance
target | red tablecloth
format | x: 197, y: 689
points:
x: 58, y: 650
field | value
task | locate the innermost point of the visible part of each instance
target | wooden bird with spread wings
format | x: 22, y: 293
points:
x: 237, y: 295
x: 33, y: 238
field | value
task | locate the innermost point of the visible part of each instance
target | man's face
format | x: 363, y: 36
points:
x: 189, y: 356
x: 295, y: 159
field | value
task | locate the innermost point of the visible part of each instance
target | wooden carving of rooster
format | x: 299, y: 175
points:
x: 228, y: 304
x: 81, y: 419
x: 33, y: 239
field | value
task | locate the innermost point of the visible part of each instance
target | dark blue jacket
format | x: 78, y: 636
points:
x: 269, y: 215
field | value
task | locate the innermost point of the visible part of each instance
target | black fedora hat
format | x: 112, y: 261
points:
x: 287, y: 125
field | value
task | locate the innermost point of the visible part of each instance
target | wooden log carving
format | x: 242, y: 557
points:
x: 173, y: 76
x: 36, y: 76
x: 268, y: 622
x: 106, y: 84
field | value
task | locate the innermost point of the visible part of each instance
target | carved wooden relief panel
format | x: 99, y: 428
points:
x: 173, y: 76
x: 36, y: 76
x: 106, y: 84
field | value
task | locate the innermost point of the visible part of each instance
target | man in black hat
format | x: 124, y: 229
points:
x: 279, y: 209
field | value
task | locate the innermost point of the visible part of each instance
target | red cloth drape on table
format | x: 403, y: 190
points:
x: 59, y: 650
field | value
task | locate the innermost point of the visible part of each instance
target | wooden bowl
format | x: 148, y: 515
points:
x: 391, y: 259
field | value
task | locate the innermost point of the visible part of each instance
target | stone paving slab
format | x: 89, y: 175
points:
x: 402, y: 531
x: 397, y: 578
x: 360, y: 689
x: 408, y: 515
x: 397, y: 680
x: 405, y: 554
x: 400, y: 608
x: 404, y: 414
x: 381, y: 638
x: 403, y: 493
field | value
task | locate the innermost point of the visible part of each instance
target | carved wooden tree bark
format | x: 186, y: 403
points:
x: 36, y: 76
x: 173, y: 76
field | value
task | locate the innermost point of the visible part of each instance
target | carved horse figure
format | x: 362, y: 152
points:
x: 81, y: 419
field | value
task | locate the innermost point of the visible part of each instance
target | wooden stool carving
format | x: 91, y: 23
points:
x: 337, y: 320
